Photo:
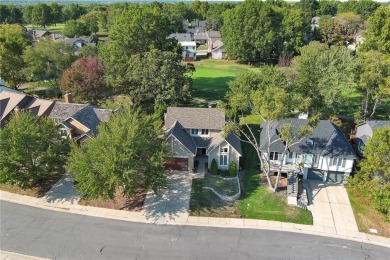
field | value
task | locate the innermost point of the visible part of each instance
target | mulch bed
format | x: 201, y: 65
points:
x: 119, y: 202
x: 282, y: 189
x: 38, y: 190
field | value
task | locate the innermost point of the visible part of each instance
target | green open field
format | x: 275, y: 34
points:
x: 211, y: 78
x: 52, y: 28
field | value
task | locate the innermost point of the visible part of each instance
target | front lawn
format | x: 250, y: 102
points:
x: 211, y: 78
x: 256, y: 202
x: 365, y: 214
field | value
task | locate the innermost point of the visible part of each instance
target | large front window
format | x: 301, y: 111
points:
x: 223, y: 156
x: 274, y: 156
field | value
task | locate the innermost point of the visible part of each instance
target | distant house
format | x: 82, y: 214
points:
x: 78, y: 121
x: 188, y: 46
x: 218, y: 51
x: 324, y: 155
x: 12, y: 101
x: 197, y: 134
x: 212, y: 37
x: 365, y: 131
x: 36, y: 35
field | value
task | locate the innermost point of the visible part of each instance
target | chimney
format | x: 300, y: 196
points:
x: 68, y: 98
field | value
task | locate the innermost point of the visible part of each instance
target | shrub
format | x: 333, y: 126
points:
x: 214, y: 167
x: 233, y: 169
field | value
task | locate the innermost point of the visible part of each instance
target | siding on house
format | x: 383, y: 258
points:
x: 233, y: 156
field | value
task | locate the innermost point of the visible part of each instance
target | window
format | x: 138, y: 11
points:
x: 274, y: 156
x: 339, y: 162
x: 223, y: 150
x: 223, y: 159
x: 309, y: 141
x: 63, y: 132
x: 290, y: 155
x: 343, y: 162
x: 334, y: 161
x: 194, y: 131
x: 316, y: 159
x: 205, y: 131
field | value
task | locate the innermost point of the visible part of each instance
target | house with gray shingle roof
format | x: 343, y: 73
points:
x: 366, y: 130
x: 79, y: 121
x: 325, y: 154
x: 197, y: 134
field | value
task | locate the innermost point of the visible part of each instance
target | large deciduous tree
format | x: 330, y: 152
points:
x: 85, y: 80
x: 41, y: 15
x: 374, y: 81
x: 155, y: 78
x: 127, y: 155
x: 30, y: 150
x: 378, y: 32
x: 324, y: 75
x: 75, y: 28
x: 13, y: 41
x: 267, y: 95
x: 47, y: 60
x: 374, y: 173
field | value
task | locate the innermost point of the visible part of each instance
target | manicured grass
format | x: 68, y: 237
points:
x: 365, y: 214
x: 115, y: 102
x: 223, y: 187
x: 57, y: 28
x: 211, y: 78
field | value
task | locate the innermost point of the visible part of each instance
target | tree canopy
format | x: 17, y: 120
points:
x: 13, y: 40
x: 30, y: 150
x: 127, y: 155
x: 41, y: 15
x: 85, y: 80
x: 378, y: 33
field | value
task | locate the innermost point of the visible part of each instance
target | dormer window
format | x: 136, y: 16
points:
x: 205, y: 131
x: 309, y: 141
x: 194, y: 131
x: 200, y: 132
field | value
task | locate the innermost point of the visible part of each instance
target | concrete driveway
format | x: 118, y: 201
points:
x: 331, y: 209
x: 170, y: 204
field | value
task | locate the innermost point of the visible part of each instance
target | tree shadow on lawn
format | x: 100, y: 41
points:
x: 211, y: 88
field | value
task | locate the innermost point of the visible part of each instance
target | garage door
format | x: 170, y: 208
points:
x: 335, y: 177
x: 314, y: 175
x: 178, y: 164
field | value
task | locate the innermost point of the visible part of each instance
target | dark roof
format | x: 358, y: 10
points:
x: 63, y: 110
x: 182, y: 136
x: 231, y: 139
x: 88, y: 118
x: 190, y: 117
x: 327, y: 139
x: 201, y: 142
x: 374, y: 124
x: 181, y: 37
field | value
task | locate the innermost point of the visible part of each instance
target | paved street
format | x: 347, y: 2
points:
x: 171, y: 203
x: 50, y: 234
x: 331, y: 208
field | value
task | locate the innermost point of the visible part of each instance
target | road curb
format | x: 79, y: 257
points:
x: 186, y: 220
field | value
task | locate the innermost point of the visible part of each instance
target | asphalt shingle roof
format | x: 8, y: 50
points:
x: 374, y: 124
x: 199, y: 118
x: 180, y: 134
x: 328, y: 140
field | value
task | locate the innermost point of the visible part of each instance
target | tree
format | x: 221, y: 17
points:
x: 47, y: 60
x: 27, y: 13
x: 56, y: 12
x: 138, y: 30
x: 30, y: 150
x: 127, y: 155
x: 251, y: 31
x: 200, y: 9
x: 13, y: 40
x: 73, y: 12
x: 10, y: 14
x: 324, y: 75
x: 374, y: 81
x: 75, y: 28
x: 91, y: 21
x: 374, y: 173
x: 328, y: 7
x: 267, y: 96
x: 309, y: 8
x: 214, y: 19
x: 293, y: 30
x: 378, y: 34
x: 41, y: 15
x: 155, y: 78
x: 364, y: 8
x: 85, y: 80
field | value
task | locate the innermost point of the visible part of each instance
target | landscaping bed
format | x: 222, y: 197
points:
x: 225, y: 187
x: 119, y: 202
x: 38, y: 190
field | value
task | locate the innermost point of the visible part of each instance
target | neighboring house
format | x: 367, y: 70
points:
x: 188, y: 46
x: 188, y: 51
x: 12, y: 101
x: 218, y: 52
x: 212, y: 37
x: 36, y: 35
x: 197, y: 134
x: 324, y: 155
x: 78, y: 121
x: 365, y: 131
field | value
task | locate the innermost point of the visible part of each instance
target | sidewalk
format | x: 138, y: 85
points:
x: 6, y: 255
x: 191, y: 220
